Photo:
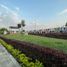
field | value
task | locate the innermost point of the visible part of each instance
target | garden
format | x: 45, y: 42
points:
x: 43, y: 51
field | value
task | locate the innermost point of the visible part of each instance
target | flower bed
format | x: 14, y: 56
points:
x: 20, y: 57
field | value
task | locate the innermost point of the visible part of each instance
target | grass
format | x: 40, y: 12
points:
x: 59, y: 44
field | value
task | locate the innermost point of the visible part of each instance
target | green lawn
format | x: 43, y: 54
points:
x: 59, y: 44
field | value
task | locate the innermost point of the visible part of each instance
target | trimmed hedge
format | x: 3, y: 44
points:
x: 53, y: 35
x: 20, y: 57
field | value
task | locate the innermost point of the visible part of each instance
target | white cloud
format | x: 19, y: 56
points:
x: 63, y: 12
x: 4, y: 6
x: 11, y: 17
x: 9, y: 14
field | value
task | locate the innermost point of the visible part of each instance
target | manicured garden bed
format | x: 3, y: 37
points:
x: 49, y: 57
x: 20, y: 57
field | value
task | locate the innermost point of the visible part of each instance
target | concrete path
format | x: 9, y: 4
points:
x: 6, y: 59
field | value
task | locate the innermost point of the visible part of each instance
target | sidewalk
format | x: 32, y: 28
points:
x: 6, y: 59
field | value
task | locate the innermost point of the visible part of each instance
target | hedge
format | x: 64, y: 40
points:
x: 53, y: 35
x: 20, y: 57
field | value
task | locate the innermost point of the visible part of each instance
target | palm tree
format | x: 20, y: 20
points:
x: 22, y: 25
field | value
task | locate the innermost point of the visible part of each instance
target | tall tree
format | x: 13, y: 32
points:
x: 19, y: 26
x: 22, y: 25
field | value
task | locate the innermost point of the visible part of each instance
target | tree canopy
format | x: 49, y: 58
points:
x: 23, y: 23
x: 2, y: 30
x: 19, y: 25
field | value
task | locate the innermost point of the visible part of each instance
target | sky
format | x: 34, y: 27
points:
x: 37, y: 14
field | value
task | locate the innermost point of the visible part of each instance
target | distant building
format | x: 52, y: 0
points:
x: 52, y: 30
x: 64, y: 29
x: 13, y: 30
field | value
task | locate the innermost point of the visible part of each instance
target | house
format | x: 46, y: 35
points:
x: 14, y: 30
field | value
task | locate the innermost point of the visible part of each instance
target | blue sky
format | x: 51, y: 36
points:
x: 44, y: 13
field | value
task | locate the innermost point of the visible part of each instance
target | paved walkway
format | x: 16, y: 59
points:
x: 6, y: 59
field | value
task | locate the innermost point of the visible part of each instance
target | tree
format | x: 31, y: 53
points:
x: 66, y: 24
x: 22, y: 25
x: 19, y: 25
x: 2, y: 30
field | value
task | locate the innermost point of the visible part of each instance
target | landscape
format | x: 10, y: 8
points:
x: 33, y: 33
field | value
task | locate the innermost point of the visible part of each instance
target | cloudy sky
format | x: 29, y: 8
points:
x: 36, y: 13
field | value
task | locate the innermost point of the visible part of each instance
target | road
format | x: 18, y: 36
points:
x: 6, y: 59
